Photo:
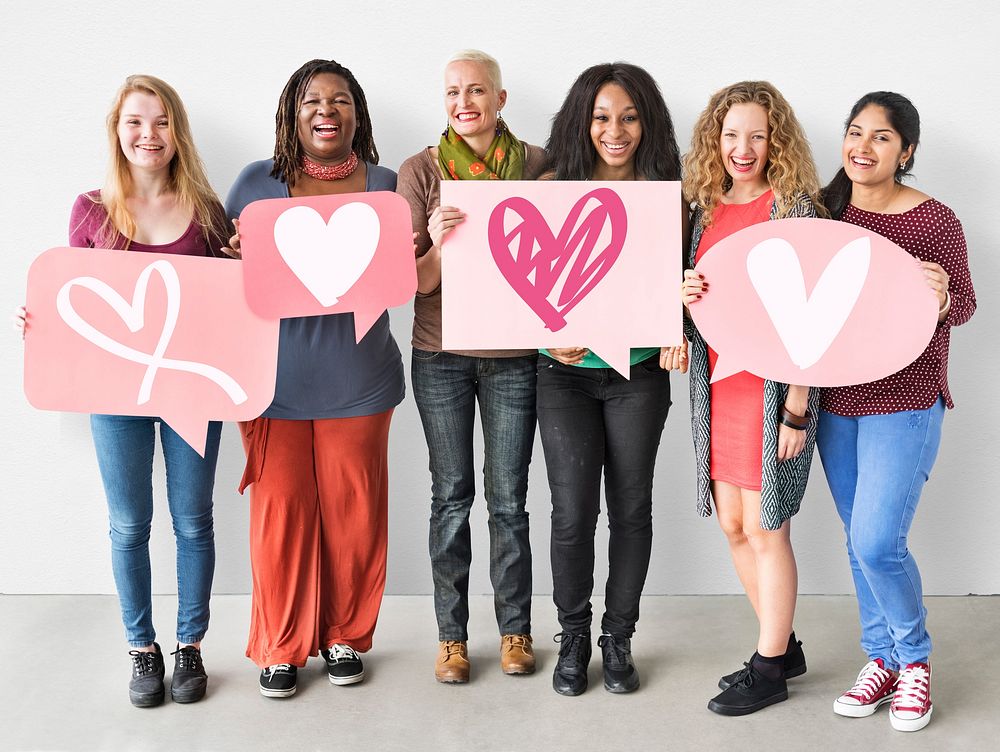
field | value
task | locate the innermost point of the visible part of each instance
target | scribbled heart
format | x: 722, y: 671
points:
x: 539, y: 260
x: 807, y: 324
x: 328, y: 257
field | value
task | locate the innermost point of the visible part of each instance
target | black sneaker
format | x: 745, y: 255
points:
x: 189, y: 680
x: 343, y: 664
x: 570, y: 675
x: 145, y: 690
x: 620, y: 675
x: 795, y: 663
x: 750, y: 692
x: 278, y: 680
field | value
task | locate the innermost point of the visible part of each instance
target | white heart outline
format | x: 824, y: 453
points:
x: 306, y: 243
x: 133, y: 314
x: 807, y: 325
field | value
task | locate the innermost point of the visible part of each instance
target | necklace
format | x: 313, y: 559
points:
x: 336, y: 172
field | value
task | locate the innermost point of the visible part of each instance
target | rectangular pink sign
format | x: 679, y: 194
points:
x: 152, y: 334
x: 557, y: 264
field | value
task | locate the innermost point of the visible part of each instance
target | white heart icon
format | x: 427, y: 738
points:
x: 807, y: 325
x: 328, y: 257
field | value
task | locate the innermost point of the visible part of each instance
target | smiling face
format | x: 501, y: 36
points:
x: 144, y: 132
x: 743, y: 144
x: 327, y: 119
x: 615, y: 128
x: 873, y: 149
x: 471, y: 100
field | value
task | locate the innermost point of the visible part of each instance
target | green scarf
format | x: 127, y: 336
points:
x: 504, y: 159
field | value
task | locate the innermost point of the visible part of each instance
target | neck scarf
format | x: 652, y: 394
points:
x: 504, y: 159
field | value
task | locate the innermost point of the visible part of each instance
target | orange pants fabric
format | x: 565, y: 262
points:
x: 318, y: 532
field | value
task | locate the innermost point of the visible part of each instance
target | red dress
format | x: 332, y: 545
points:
x: 737, y: 401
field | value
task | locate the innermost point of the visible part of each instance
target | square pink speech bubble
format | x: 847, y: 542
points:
x: 151, y: 334
x: 559, y: 264
x: 314, y: 255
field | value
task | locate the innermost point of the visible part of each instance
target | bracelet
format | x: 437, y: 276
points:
x: 789, y: 423
x: 947, y: 302
x: 795, y: 421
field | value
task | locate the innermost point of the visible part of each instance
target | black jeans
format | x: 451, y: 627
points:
x: 589, y: 419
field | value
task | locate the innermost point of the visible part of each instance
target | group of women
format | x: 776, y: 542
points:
x: 316, y: 459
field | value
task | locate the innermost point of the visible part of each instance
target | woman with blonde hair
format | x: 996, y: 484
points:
x: 750, y: 162
x: 157, y: 199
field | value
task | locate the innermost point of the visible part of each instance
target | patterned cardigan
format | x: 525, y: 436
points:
x: 783, y: 483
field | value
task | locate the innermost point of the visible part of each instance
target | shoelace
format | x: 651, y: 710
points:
x: 188, y: 658
x: 618, y: 650
x: 452, y: 647
x: 340, y: 652
x: 745, y: 677
x: 278, y: 668
x: 517, y: 641
x: 869, y: 681
x: 913, y: 687
x: 143, y: 662
x: 571, y: 644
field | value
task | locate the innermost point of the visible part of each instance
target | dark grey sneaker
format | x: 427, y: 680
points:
x: 570, y: 674
x: 620, y: 675
x: 189, y: 680
x: 279, y: 680
x: 145, y: 690
x: 795, y: 663
x: 343, y: 664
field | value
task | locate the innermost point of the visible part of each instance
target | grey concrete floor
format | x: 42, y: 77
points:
x: 66, y: 672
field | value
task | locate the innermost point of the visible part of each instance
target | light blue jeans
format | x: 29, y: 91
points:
x: 876, y: 466
x: 125, y: 455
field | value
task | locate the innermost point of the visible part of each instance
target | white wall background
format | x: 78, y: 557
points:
x: 61, y: 62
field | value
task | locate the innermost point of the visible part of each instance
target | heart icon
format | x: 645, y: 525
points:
x: 535, y: 274
x: 807, y: 324
x: 328, y: 257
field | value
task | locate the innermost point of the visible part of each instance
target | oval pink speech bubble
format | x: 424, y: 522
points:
x: 813, y: 301
x: 314, y: 255
x: 146, y: 334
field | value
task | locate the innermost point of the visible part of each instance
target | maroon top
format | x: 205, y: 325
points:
x: 929, y: 232
x: 87, y: 219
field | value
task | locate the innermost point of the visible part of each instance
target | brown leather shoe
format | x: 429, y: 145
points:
x: 516, y: 654
x: 452, y: 665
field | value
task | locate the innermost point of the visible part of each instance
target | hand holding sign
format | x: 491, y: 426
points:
x: 811, y: 301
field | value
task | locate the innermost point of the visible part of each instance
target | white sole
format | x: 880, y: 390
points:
x: 911, y: 724
x: 858, y: 711
x: 341, y: 681
x: 278, y: 692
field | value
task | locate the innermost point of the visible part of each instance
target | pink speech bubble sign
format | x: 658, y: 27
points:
x: 146, y: 334
x: 558, y: 264
x: 328, y: 254
x: 813, y: 301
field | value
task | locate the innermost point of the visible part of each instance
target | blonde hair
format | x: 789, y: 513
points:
x: 790, y: 167
x: 487, y: 61
x: 187, y: 172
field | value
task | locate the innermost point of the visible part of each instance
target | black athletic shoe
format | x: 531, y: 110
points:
x: 278, y: 680
x: 343, y: 664
x: 750, y: 692
x: 620, y: 675
x: 189, y: 680
x: 570, y: 675
x: 145, y: 690
x: 795, y: 663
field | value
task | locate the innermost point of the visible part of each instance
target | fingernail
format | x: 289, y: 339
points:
x: 698, y: 297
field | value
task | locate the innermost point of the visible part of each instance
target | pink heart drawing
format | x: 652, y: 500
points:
x: 533, y: 275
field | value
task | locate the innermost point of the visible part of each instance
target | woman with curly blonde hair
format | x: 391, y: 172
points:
x: 750, y: 162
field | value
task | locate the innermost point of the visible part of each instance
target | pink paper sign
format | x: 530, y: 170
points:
x: 151, y: 334
x: 814, y: 302
x: 328, y: 254
x: 562, y: 264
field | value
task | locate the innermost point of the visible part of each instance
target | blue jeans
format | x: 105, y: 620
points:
x: 593, y: 419
x: 876, y: 466
x: 446, y: 388
x: 125, y: 456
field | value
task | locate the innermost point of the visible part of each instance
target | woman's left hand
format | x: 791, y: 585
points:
x: 937, y: 278
x: 674, y: 358
x: 791, y: 442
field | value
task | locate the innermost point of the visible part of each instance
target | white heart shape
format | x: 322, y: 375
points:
x: 807, y: 325
x: 328, y: 257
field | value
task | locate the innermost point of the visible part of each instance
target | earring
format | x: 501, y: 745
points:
x: 902, y: 165
x: 501, y: 125
x: 444, y: 133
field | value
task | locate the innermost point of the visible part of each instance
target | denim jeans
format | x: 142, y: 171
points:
x: 446, y: 388
x: 876, y: 466
x: 592, y: 419
x: 125, y: 455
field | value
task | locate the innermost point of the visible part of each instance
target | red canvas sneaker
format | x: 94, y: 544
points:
x: 911, y: 706
x: 874, y: 687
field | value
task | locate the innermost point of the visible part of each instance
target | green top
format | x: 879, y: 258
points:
x: 636, y: 355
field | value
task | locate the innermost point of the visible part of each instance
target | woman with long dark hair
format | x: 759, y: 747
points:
x: 613, y: 125
x: 878, y: 441
x: 317, y: 458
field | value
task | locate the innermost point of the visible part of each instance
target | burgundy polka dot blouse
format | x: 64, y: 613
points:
x: 930, y: 232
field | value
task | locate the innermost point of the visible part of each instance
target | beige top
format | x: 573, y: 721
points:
x: 419, y: 183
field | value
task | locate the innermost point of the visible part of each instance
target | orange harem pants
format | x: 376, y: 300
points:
x: 318, y: 533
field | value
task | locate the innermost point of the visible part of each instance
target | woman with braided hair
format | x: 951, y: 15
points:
x: 317, y: 457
